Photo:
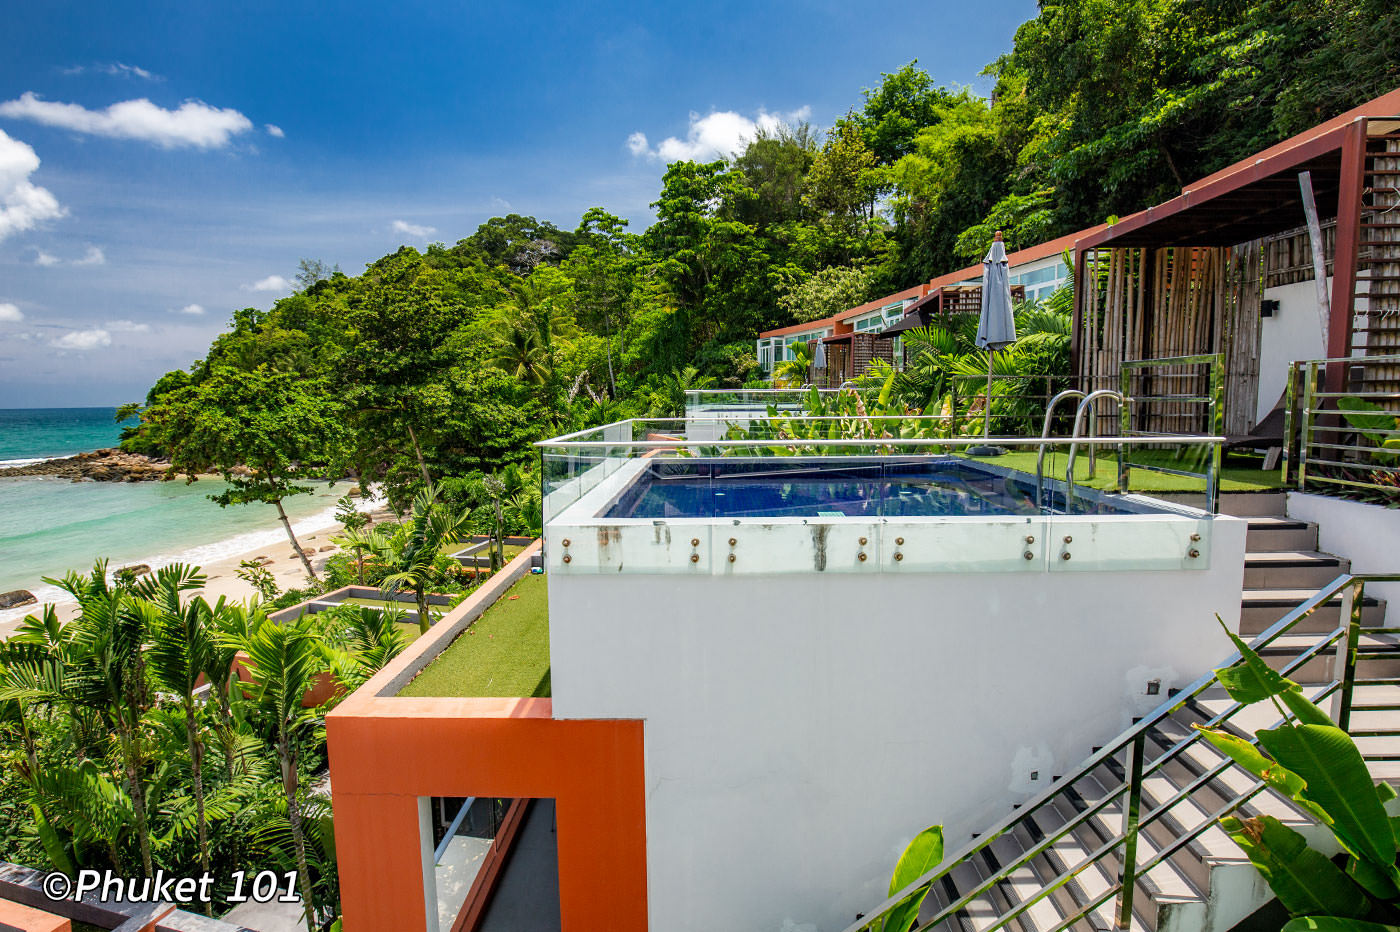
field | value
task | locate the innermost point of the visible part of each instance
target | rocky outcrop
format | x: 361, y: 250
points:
x: 97, y: 466
x: 16, y: 597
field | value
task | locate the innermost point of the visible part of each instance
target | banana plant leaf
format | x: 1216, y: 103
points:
x: 1304, y: 880
x: 922, y: 855
x: 1334, y: 924
x: 1339, y: 783
x: 1277, y: 776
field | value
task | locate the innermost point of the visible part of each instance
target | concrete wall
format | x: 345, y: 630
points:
x: 801, y: 728
x: 1367, y: 535
x: 1293, y: 333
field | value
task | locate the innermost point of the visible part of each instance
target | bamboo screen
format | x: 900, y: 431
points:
x: 1175, y: 301
x: 1377, y: 322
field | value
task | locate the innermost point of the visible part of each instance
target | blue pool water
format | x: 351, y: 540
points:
x: 844, y: 487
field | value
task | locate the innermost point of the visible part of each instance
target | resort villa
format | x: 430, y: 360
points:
x: 774, y: 660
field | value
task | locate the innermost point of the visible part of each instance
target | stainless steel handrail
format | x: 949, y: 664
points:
x: 1086, y: 404
x: 1318, y: 451
x: 1044, y: 434
x: 1352, y: 590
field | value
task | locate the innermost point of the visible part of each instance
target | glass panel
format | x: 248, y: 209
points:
x: 1129, y: 542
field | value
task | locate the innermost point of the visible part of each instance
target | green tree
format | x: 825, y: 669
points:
x: 178, y: 655
x: 264, y: 432
x: 893, y: 113
x: 285, y: 660
x: 416, y: 556
x: 825, y: 293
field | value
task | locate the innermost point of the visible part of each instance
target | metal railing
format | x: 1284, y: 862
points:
x: 706, y: 399
x: 1321, y: 445
x: 1117, y: 856
x: 606, y: 447
x: 1202, y: 408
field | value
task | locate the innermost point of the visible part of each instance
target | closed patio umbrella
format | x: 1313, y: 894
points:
x: 819, y: 355
x: 996, y: 328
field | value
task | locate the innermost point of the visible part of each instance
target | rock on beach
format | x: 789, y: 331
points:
x: 109, y: 465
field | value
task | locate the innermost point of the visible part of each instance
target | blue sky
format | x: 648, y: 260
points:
x: 162, y: 164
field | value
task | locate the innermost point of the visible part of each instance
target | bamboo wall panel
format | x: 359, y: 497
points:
x: 1377, y: 324
x: 1183, y: 301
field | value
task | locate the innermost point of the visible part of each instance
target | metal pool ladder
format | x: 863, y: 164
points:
x: 1045, y: 435
x: 1088, y: 404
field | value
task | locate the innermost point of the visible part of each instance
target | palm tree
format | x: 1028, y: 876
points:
x: 795, y: 371
x: 371, y: 637
x: 228, y: 623
x: 285, y: 660
x: 109, y: 676
x: 417, y: 556
x: 669, y: 399
x: 178, y: 655
x: 360, y: 542
x: 519, y: 353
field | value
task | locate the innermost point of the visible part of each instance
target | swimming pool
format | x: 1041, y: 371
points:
x: 840, y: 487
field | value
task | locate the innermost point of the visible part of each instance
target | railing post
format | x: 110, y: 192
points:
x: 1290, y: 421
x: 1217, y: 425
x: 1127, y: 877
x: 1306, y: 426
x: 1353, y: 605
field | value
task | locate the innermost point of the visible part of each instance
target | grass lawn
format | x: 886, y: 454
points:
x: 1240, y: 473
x: 504, y: 653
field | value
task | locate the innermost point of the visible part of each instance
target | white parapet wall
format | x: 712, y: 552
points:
x: 1367, y: 535
x: 807, y: 712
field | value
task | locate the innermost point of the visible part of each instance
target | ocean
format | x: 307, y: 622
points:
x: 49, y: 526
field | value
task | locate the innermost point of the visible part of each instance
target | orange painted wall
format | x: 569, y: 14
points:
x: 29, y: 919
x: 384, y: 757
x: 386, y: 751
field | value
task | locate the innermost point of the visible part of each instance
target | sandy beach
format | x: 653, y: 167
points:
x: 221, y: 573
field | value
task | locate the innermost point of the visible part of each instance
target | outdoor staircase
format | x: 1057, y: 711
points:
x: 1057, y: 862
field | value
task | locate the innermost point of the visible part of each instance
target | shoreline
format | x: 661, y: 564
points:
x: 219, y: 564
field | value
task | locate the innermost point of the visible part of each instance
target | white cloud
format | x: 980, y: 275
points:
x: 10, y: 314
x: 126, y: 326
x: 413, y: 229
x: 194, y: 310
x: 271, y: 283
x: 115, y: 68
x: 194, y: 124
x: 720, y: 134
x: 274, y: 130
x: 23, y: 204
x: 93, y: 256
x: 81, y: 340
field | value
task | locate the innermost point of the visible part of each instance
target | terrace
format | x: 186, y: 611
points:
x: 713, y: 589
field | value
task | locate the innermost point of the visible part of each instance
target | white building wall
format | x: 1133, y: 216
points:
x: 801, y: 728
x: 1293, y: 333
x: 1367, y: 535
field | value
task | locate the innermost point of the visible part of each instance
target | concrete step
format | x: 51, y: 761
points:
x: 1291, y: 569
x: 1260, y: 608
x: 1379, y: 656
x: 1267, y: 533
x: 1253, y: 504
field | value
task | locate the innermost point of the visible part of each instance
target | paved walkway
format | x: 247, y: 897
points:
x: 527, y: 899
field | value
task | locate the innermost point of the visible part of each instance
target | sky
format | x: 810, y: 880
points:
x: 163, y: 164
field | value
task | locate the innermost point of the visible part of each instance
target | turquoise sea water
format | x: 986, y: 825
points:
x: 28, y: 434
x: 50, y: 526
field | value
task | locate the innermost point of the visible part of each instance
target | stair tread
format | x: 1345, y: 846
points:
x: 1290, y: 558
x: 1278, y: 523
x: 1289, y: 597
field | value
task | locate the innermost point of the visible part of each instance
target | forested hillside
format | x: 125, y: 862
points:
x: 451, y: 361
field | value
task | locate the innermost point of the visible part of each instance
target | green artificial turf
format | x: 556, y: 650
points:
x: 504, y: 653
x: 1240, y: 473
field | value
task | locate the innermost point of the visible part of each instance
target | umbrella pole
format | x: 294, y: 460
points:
x: 987, y: 411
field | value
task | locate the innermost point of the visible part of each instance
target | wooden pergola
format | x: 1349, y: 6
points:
x: 1187, y: 276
